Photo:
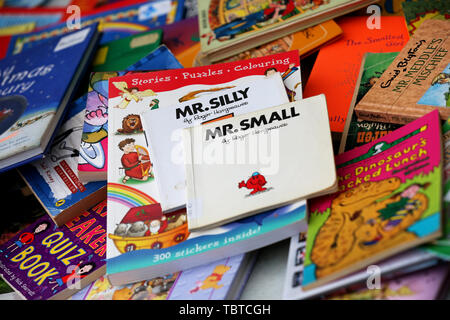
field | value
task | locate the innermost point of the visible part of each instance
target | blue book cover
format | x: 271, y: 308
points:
x: 35, y: 88
x: 114, y: 24
x: 54, y: 178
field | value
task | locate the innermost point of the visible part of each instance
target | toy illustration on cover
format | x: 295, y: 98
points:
x: 389, y: 201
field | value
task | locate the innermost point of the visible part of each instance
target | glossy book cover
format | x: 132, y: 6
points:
x: 35, y: 106
x: 389, y: 200
x: 44, y: 262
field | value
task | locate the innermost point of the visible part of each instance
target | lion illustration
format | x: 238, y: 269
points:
x: 131, y: 124
x: 367, y: 220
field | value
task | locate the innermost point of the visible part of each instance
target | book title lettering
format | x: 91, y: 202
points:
x: 250, y: 123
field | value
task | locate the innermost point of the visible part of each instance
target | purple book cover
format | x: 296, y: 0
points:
x: 43, y: 260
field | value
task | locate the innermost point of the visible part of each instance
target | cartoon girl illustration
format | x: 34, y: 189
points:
x: 129, y: 94
x: 78, y: 273
x: 136, y: 165
x: 28, y: 237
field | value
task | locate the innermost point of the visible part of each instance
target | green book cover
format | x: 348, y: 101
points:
x: 120, y: 54
x: 362, y: 131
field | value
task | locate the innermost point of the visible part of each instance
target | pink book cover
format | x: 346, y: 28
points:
x: 389, y: 200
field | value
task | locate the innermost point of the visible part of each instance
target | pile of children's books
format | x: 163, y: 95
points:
x: 153, y: 147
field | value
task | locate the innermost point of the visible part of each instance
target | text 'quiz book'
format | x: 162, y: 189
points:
x: 258, y: 161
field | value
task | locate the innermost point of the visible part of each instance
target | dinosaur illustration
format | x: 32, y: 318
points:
x: 366, y: 220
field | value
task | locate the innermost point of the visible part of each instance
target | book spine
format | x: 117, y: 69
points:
x: 190, y: 185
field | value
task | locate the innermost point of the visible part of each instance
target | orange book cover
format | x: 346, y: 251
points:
x: 336, y: 69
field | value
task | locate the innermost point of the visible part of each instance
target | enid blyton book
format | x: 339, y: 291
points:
x: 230, y: 27
x: 248, y: 162
x: 163, y: 125
x: 356, y: 131
x: 417, y: 81
x: 36, y: 87
x: 389, y: 200
x: 92, y: 163
x: 54, y: 179
x: 337, y: 65
x: 46, y: 262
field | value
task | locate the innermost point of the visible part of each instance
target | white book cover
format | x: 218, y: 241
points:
x: 258, y: 161
x: 163, y: 127
x: 138, y: 230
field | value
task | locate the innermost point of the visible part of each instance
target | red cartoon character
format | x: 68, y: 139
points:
x: 255, y: 182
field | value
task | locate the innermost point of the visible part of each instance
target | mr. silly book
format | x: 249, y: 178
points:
x: 46, y: 262
x: 389, y: 200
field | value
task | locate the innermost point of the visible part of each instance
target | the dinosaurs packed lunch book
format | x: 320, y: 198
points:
x: 37, y: 86
x: 219, y: 280
x: 54, y: 179
x: 163, y: 127
x: 253, y: 159
x: 389, y: 200
x: 117, y: 20
x: 46, y: 262
x: 229, y: 27
x: 337, y: 65
x: 130, y: 166
x: 417, y: 81
x: 92, y: 163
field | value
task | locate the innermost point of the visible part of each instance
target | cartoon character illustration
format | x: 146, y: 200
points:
x: 131, y: 124
x: 366, y: 220
x: 95, y: 130
x: 289, y: 73
x: 255, y: 182
x: 129, y: 94
x: 79, y: 272
x: 441, y: 78
x: 152, y: 229
x: 212, y: 280
x: 27, y: 237
x: 154, y: 104
x: 135, y: 161
x: 157, y: 226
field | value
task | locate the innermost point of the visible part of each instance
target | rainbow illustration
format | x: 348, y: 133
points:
x: 123, y: 27
x: 128, y: 196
